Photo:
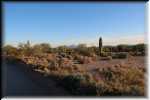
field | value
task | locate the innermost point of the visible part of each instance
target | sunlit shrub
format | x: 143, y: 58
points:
x: 104, y: 54
x: 120, y: 81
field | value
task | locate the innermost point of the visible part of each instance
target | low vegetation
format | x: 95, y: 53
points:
x: 67, y: 66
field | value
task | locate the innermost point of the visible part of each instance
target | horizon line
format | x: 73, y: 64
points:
x: 92, y: 41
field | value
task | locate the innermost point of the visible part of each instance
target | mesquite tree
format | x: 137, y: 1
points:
x: 100, y: 46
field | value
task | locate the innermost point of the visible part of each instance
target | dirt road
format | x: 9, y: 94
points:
x: 19, y: 81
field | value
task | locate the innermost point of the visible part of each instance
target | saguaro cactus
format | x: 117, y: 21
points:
x: 100, y: 46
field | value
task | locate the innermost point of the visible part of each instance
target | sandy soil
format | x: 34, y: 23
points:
x: 131, y: 61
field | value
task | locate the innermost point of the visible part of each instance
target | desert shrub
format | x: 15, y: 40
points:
x: 87, y: 60
x: 83, y: 59
x: 46, y: 48
x: 106, y: 58
x: 143, y: 69
x: 122, y: 48
x: 94, y: 50
x: 131, y: 53
x: 53, y: 65
x: 51, y: 56
x: 119, y: 55
x: 94, y: 57
x: 69, y: 57
x: 88, y: 79
x: 70, y: 51
x: 83, y: 50
x: 79, y: 84
x: 79, y: 58
x: 10, y: 50
x: 72, y: 82
x: 78, y: 68
x: 37, y: 50
x: 65, y: 62
x: 136, y: 53
x: 25, y: 49
x: 62, y: 49
x: 116, y: 80
x: 69, y: 69
x: 139, y: 47
x: 105, y: 89
x: 120, y: 81
x: 111, y: 81
x: 36, y: 61
x: 137, y: 91
x: 106, y: 48
x: 105, y: 54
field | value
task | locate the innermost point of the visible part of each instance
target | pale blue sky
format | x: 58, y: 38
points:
x: 73, y: 23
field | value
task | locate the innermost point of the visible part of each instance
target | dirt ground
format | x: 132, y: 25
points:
x: 20, y: 80
x: 138, y: 61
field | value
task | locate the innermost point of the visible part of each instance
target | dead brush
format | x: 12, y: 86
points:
x: 53, y: 65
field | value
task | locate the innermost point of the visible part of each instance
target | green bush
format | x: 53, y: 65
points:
x: 119, y: 56
x: 106, y: 54
x: 137, y: 53
x: 106, y: 58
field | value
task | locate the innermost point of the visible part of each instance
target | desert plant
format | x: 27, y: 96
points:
x: 53, y: 65
x: 72, y: 82
x: 120, y: 55
x: 105, y: 54
x: 62, y: 49
x: 83, y: 50
x: 120, y: 81
x: 100, y: 46
x: 25, y: 49
x: 106, y: 58
x: 10, y: 50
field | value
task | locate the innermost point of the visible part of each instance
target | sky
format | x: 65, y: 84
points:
x: 72, y: 23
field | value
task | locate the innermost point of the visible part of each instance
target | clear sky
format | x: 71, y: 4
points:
x: 72, y: 23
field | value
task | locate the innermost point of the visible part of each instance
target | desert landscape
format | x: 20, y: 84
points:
x: 88, y: 71
x: 74, y: 49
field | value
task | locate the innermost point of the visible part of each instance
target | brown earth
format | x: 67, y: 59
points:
x: 139, y: 61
